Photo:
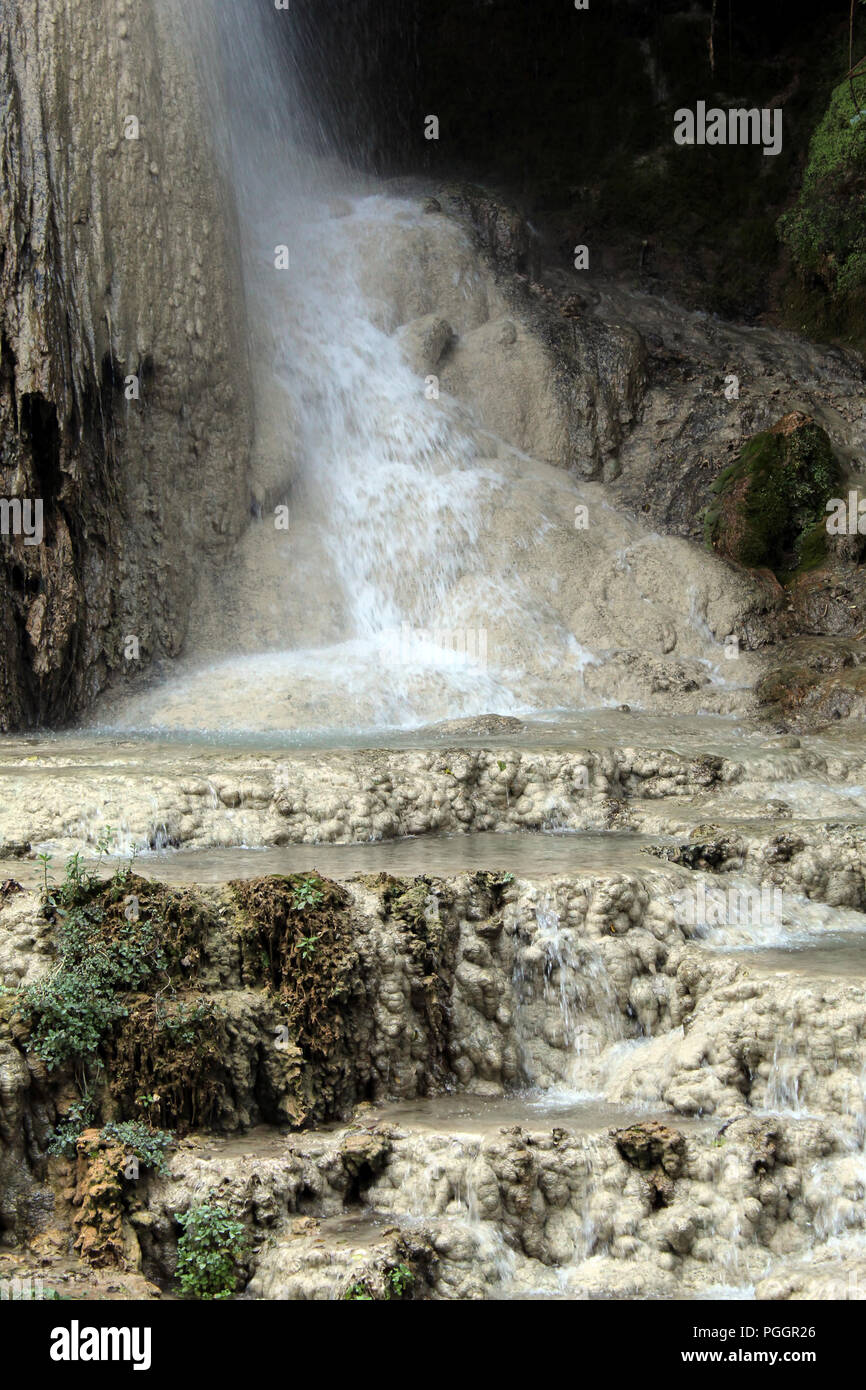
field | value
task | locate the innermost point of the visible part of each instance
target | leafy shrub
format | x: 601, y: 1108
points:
x: 358, y: 1293
x: 399, y: 1279
x: 147, y: 1144
x: 71, y: 1125
x: 209, y: 1251
x: 72, y: 1010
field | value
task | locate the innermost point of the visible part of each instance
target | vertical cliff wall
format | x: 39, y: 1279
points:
x: 123, y: 374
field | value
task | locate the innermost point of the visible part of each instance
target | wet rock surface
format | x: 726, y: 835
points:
x: 564, y: 1085
x: 106, y: 288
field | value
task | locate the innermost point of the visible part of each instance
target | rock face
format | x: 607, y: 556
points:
x: 345, y: 798
x: 552, y: 382
x: 117, y: 263
x: 158, y: 798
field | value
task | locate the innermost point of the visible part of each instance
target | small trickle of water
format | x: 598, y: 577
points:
x: 567, y: 1010
x: 784, y: 1081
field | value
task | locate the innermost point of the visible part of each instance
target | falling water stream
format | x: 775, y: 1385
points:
x: 402, y: 562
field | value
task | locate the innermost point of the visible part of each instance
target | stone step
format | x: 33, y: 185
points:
x: 64, y: 793
x: 474, y: 1208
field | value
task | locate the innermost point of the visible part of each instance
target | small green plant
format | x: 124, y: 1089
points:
x: 307, y: 946
x: 359, y: 1293
x: 104, y: 842
x: 70, y: 1126
x: 306, y: 893
x: 147, y: 1144
x: 209, y: 1251
x: 45, y: 861
x: 77, y: 882
x: 182, y: 1025
x: 399, y: 1279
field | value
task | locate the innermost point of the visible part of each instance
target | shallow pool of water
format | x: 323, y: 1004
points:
x: 528, y: 855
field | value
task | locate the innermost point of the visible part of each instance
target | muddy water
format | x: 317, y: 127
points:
x: 533, y: 1111
x: 536, y: 1112
x: 524, y: 856
x: 596, y: 728
x: 566, y: 730
x: 837, y: 956
x: 442, y: 856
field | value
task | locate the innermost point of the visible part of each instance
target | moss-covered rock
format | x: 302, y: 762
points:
x: 657, y: 1151
x: 297, y: 942
x: 826, y: 229
x: 769, y: 512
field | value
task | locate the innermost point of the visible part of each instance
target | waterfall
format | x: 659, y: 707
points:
x: 402, y: 563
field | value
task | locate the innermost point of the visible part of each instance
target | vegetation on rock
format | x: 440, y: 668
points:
x: 123, y: 1003
x: 391, y: 1283
x: 825, y: 230
x: 141, y: 1141
x: 296, y: 940
x: 209, y: 1252
x: 770, y: 509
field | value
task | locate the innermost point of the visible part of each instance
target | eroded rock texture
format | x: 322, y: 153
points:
x: 454, y: 1088
x: 115, y: 261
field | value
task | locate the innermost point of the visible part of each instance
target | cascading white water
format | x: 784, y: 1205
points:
x: 403, y: 565
x: 566, y: 1010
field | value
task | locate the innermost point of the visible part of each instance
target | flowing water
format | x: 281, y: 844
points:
x: 403, y: 566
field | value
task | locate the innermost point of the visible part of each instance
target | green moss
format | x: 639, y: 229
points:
x: 297, y: 942
x: 825, y: 230
x: 838, y: 146
x: 770, y: 508
x: 812, y: 548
